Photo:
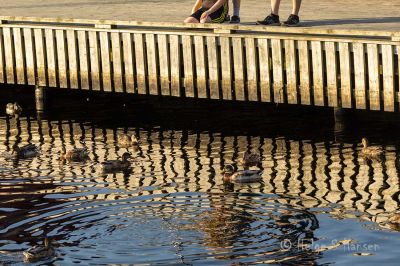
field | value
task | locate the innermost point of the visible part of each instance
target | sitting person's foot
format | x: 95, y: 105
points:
x: 235, y: 19
x: 227, y: 18
x: 292, y: 21
x: 270, y: 20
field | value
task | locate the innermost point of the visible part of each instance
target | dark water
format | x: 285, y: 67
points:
x: 319, y: 203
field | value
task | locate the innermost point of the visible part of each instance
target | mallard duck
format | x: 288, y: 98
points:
x: 250, y: 159
x: 117, y: 165
x: 27, y: 151
x: 126, y: 140
x: 13, y: 109
x: 370, y: 151
x: 243, y: 176
x: 39, y: 252
x: 75, y: 155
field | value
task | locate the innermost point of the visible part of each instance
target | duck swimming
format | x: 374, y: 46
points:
x: 39, y: 252
x: 75, y: 155
x: 370, y: 151
x: 126, y: 140
x: 117, y: 165
x: 24, y: 152
x: 242, y: 176
x: 13, y: 109
x: 250, y: 159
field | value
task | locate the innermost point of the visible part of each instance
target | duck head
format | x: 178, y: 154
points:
x: 126, y: 156
x: 365, y: 142
x: 228, y: 171
x: 15, y: 149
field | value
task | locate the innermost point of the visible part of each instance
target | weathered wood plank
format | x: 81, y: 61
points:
x: 200, y: 67
x: 163, y: 58
x: 51, y: 57
x: 175, y: 55
x: 304, y: 63
x: 389, y: 98
x: 2, y: 63
x: 238, y: 63
x: 105, y: 61
x: 73, y: 58
x: 40, y: 57
x: 265, y: 66
x: 141, y: 64
x: 291, y: 71
x: 345, y: 75
x: 152, y: 64
x: 129, y: 59
x: 331, y: 73
x: 213, y: 69
x: 277, y: 70
x: 84, y: 57
x: 226, y: 68
x: 30, y: 57
x: 318, y: 73
x: 94, y: 61
x: 188, y: 65
x: 252, y: 77
x: 9, y: 55
x: 62, y: 58
x: 19, y: 56
x: 117, y: 64
x: 360, y: 76
x: 373, y: 74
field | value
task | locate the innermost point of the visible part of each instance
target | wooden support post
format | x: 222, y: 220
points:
x: 40, y: 98
x: 339, y: 115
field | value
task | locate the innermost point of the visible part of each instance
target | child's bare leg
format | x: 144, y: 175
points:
x: 191, y: 20
x: 296, y: 7
x: 275, y: 6
x: 206, y: 20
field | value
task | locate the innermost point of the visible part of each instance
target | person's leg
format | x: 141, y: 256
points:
x: 206, y: 20
x: 294, y: 19
x: 275, y: 6
x: 296, y: 7
x: 273, y: 18
x: 191, y: 20
x: 236, y: 11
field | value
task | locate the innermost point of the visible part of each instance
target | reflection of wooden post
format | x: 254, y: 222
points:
x: 40, y: 98
x: 339, y: 114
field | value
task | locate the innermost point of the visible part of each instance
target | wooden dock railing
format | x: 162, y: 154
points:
x: 309, y: 66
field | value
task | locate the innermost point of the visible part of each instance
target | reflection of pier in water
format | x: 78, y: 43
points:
x: 322, y: 174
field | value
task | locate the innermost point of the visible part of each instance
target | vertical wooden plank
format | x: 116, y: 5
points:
x: 388, y: 77
x: 264, y: 65
x: 72, y: 59
x: 277, y: 69
x: 238, y: 63
x: 152, y: 64
x: 331, y: 73
x: 117, y: 61
x: 129, y: 59
x: 9, y: 55
x: 213, y: 69
x: 62, y: 58
x: 200, y: 67
x: 19, y: 56
x: 163, y: 58
x: 251, y: 69
x: 359, y: 76
x: 94, y: 61
x: 304, y: 64
x: 105, y: 60
x: 318, y: 73
x: 226, y: 68
x: 30, y: 56
x: 51, y: 57
x: 291, y: 71
x: 175, y: 55
x: 84, y: 52
x: 373, y: 74
x: 40, y: 57
x: 345, y: 74
x: 140, y: 63
x: 188, y: 65
x: 2, y: 63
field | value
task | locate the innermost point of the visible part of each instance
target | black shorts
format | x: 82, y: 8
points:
x: 216, y: 17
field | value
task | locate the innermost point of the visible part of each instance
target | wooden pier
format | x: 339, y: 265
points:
x: 309, y: 66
